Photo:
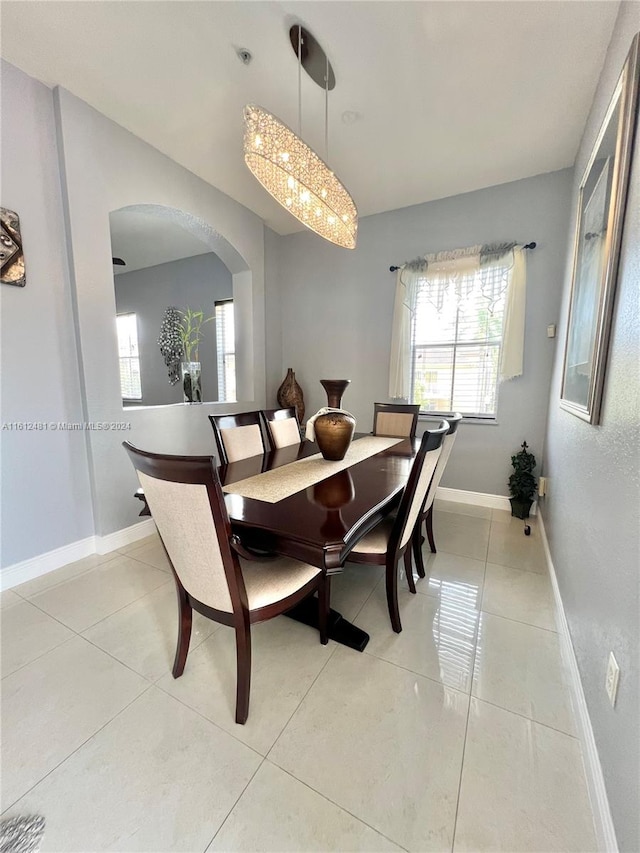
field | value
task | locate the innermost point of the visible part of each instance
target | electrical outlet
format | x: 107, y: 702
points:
x: 542, y: 486
x: 613, y: 674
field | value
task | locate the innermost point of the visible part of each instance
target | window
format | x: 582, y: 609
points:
x: 129, y: 353
x: 226, y: 351
x: 456, y: 337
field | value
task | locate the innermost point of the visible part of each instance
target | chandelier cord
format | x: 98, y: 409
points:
x: 326, y: 111
x: 300, y: 81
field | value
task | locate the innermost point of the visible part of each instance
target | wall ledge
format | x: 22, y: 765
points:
x: 603, y: 821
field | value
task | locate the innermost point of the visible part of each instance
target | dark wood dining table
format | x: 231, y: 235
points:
x: 321, y: 523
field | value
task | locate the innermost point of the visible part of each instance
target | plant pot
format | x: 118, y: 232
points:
x: 334, y: 432
x: 520, y: 508
x: 191, y: 381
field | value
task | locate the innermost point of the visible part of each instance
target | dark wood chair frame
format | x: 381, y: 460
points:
x: 397, y: 408
x: 269, y: 415
x: 201, y: 470
x: 427, y: 515
x: 220, y: 422
x: 431, y: 440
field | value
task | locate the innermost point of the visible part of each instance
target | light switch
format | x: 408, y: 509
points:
x: 551, y: 331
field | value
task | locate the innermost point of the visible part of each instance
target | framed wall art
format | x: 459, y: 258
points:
x: 11, y: 256
x: 599, y: 223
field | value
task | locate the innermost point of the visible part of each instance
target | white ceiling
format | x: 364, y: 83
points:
x: 450, y: 96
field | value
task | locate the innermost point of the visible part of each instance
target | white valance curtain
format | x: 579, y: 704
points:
x: 437, y: 275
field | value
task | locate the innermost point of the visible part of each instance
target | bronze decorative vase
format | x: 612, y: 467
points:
x: 334, y: 430
x: 335, y: 388
x: 290, y: 394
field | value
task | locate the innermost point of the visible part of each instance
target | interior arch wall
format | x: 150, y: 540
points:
x: 104, y: 168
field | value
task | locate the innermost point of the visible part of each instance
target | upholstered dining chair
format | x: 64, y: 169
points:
x: 282, y: 427
x: 391, y: 539
x: 427, y: 510
x: 214, y: 574
x: 395, y: 419
x: 237, y: 436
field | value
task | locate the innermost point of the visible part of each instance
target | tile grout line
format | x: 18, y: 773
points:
x: 73, y: 751
x: 466, y: 726
x: 524, y: 717
x: 217, y: 725
x: 93, y: 624
x: 333, y: 803
x: 517, y: 621
x: 282, y: 730
x: 240, y: 795
x: 24, y: 597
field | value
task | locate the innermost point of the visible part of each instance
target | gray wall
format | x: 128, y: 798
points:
x: 592, y: 513
x: 337, y: 308
x: 196, y: 282
x: 273, y: 315
x: 106, y: 168
x: 45, y: 483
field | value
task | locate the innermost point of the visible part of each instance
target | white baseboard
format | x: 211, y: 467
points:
x: 477, y: 499
x: 126, y: 536
x: 605, y: 831
x: 27, y: 570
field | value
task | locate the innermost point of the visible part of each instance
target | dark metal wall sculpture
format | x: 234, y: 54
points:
x: 11, y: 255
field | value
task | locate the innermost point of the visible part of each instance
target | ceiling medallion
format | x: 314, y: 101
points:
x: 294, y: 174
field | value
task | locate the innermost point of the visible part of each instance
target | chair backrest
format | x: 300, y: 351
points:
x: 395, y: 419
x: 237, y: 436
x: 282, y: 427
x: 187, y: 505
x: 415, y: 491
x: 447, y: 446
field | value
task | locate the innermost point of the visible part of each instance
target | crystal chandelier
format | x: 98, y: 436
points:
x: 296, y: 177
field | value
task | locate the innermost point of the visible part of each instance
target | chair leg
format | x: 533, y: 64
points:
x: 184, y: 632
x: 416, y: 541
x: 429, y: 525
x: 408, y: 570
x: 243, y: 659
x: 324, y: 597
x: 392, y: 595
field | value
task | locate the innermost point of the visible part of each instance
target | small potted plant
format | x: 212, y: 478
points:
x: 190, y: 329
x: 522, y: 483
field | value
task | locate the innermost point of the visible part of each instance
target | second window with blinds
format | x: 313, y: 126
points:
x: 456, y: 337
x: 225, y: 350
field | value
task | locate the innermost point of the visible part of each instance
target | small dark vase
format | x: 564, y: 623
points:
x: 290, y: 394
x: 334, y: 430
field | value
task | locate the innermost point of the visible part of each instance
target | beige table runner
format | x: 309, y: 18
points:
x: 274, y: 486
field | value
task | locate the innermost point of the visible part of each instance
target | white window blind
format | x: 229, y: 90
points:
x: 456, y: 336
x: 130, y: 384
x: 225, y: 351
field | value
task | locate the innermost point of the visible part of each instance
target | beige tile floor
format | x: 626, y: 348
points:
x: 457, y: 734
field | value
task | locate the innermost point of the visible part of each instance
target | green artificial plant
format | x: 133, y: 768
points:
x: 522, y: 483
x: 190, y: 330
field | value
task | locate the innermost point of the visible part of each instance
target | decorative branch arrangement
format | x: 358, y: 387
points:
x: 170, y: 343
x: 180, y: 336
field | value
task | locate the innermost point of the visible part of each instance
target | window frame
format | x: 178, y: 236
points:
x: 222, y: 355
x: 455, y: 344
x: 129, y: 358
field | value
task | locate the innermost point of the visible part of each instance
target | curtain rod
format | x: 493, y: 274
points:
x: 527, y: 246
